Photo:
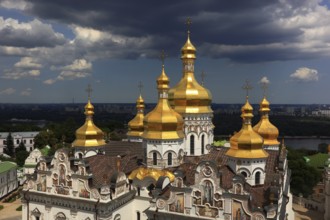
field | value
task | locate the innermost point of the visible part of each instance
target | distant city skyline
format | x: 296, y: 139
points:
x: 51, y: 50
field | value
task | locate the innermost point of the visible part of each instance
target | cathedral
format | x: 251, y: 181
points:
x: 168, y: 168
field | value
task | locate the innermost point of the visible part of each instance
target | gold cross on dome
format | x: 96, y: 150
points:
x: 203, y: 75
x: 264, y: 87
x: 89, y: 90
x: 140, y: 86
x: 247, y: 87
x: 162, y: 56
x: 188, y: 23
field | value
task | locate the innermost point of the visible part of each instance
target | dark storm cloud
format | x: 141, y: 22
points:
x: 215, y: 23
x: 137, y: 18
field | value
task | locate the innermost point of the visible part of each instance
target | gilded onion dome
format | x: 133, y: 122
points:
x: 142, y: 172
x: 135, y: 126
x: 163, y: 122
x: 188, y: 96
x: 246, y: 143
x: 89, y: 135
x: 264, y: 127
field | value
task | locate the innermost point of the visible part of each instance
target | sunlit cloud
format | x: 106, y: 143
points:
x: 304, y: 74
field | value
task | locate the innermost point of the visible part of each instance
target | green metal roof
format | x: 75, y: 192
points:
x: 7, y: 165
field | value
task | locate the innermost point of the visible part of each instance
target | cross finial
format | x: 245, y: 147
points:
x: 162, y: 56
x: 203, y: 75
x: 89, y: 90
x: 247, y: 87
x: 188, y: 23
x: 264, y: 87
x: 140, y: 86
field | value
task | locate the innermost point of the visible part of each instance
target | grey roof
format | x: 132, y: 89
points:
x: 24, y: 134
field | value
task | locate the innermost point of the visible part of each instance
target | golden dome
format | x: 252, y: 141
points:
x: 188, y: 96
x: 89, y: 135
x: 135, y: 126
x: 264, y: 127
x: 188, y: 51
x: 246, y: 143
x: 143, y: 172
x: 163, y: 122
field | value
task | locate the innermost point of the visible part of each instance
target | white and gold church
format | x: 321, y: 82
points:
x: 169, y: 167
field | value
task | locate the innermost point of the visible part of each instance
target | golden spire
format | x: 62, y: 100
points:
x: 135, y: 126
x: 163, y: 122
x: 188, y: 96
x: 188, y: 50
x: 264, y: 127
x: 89, y: 135
x: 163, y: 81
x: 246, y: 143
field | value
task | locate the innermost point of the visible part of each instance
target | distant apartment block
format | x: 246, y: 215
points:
x: 324, y: 113
x: 26, y: 137
x: 8, y: 178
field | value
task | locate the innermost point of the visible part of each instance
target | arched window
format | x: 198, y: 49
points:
x: 203, y: 136
x: 169, y: 159
x: 192, y: 145
x: 138, y: 216
x: 154, y: 158
x: 244, y: 174
x: 257, y: 178
x: 60, y: 216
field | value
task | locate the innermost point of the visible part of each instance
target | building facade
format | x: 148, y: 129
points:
x: 32, y: 161
x: 26, y: 137
x: 8, y: 178
x: 327, y: 188
x: 182, y: 175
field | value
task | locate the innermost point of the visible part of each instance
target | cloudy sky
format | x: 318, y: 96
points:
x: 50, y: 50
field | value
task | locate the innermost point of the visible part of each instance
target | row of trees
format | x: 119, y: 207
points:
x: 303, y: 176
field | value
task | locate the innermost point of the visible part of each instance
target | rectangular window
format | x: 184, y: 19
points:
x: 24, y: 141
x: 31, y: 141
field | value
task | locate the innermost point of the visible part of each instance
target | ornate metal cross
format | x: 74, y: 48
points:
x: 188, y: 23
x: 247, y: 87
x: 140, y: 86
x: 264, y: 87
x: 162, y: 56
x: 89, y: 90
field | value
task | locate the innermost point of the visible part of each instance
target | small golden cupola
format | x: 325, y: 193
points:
x: 135, y: 126
x: 163, y: 123
x: 188, y: 96
x: 246, y: 143
x: 264, y: 127
x: 89, y: 135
